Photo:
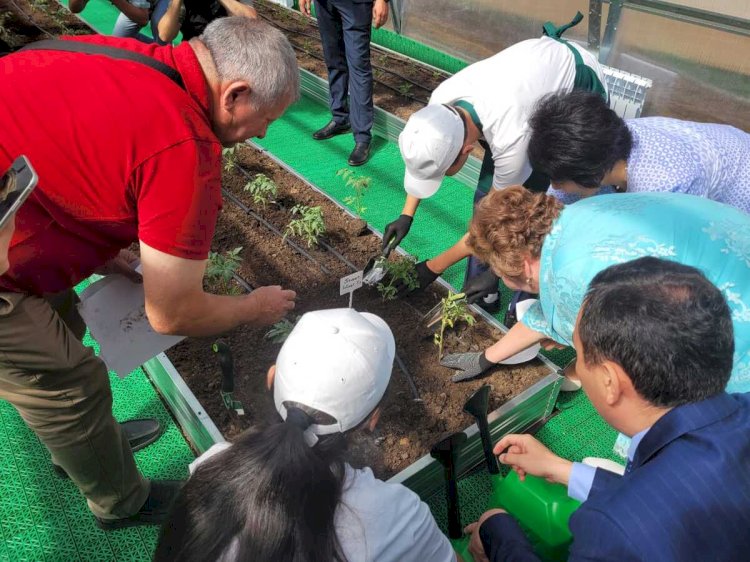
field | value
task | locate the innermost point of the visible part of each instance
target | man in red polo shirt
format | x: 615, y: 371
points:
x: 124, y: 153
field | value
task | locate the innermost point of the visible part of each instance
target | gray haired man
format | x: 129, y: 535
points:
x: 142, y: 164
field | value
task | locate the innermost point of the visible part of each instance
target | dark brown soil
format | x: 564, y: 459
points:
x: 22, y: 22
x: 400, y: 95
x: 407, y: 428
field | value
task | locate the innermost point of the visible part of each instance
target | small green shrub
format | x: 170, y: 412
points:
x: 454, y: 309
x: 221, y: 269
x: 280, y: 331
x: 360, y: 185
x: 398, y: 272
x: 310, y: 225
x: 262, y: 189
x: 230, y: 157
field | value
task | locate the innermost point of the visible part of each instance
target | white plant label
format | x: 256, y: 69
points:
x: 349, y: 284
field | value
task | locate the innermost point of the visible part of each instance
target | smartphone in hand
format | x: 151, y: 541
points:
x: 15, y: 186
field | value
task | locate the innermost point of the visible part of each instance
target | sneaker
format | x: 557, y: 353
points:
x: 154, y: 512
x: 491, y: 303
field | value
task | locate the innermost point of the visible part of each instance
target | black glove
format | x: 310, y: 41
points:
x: 395, y: 232
x: 425, y: 276
x: 480, y: 286
x: 469, y: 365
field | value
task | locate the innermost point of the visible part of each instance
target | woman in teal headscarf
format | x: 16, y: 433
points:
x: 536, y: 245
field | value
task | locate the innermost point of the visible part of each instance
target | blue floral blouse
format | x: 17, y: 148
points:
x: 704, y: 159
x: 601, y: 231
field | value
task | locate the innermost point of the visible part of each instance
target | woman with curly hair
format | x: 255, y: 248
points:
x: 535, y: 244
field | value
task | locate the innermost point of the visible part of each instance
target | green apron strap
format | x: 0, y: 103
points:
x: 555, y: 32
x: 487, y: 172
x: 469, y: 108
x: 585, y: 79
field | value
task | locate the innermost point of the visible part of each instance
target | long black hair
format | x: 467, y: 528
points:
x: 575, y: 136
x: 269, y: 497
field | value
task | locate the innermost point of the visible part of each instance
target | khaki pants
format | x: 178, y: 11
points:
x: 61, y: 389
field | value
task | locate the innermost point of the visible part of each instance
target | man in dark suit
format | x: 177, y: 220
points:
x: 655, y: 347
x: 345, y: 29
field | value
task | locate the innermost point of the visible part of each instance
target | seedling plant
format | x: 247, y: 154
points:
x: 310, y: 225
x: 221, y: 269
x: 401, y: 272
x: 404, y: 89
x: 262, y: 189
x: 230, y: 157
x: 280, y: 331
x: 453, y: 309
x: 360, y: 185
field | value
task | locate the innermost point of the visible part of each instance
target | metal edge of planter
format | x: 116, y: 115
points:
x: 425, y: 476
x: 196, y: 424
x: 386, y: 125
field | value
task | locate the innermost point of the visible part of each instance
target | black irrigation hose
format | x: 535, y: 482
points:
x: 242, y: 282
x: 234, y: 199
x: 321, y: 243
x: 29, y: 19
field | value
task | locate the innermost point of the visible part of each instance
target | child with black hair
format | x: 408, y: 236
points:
x: 285, y: 491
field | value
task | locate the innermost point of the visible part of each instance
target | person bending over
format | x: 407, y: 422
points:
x: 654, y: 343
x: 284, y: 491
x: 162, y: 190
x: 537, y: 245
x: 487, y: 103
x: 586, y: 148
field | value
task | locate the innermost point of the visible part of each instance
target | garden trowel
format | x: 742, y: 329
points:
x: 477, y: 406
x: 445, y: 453
x: 374, y: 270
x: 226, y: 362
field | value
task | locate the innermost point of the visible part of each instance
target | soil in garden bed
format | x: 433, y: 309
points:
x: 407, y: 429
x: 22, y: 22
x: 401, y: 95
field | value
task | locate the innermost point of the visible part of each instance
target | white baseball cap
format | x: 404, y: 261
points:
x: 337, y: 361
x: 430, y: 143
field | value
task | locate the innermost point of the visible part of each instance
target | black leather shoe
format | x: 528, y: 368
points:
x: 360, y: 154
x: 331, y: 130
x: 154, y: 512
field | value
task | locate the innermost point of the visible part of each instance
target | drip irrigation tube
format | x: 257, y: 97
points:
x: 244, y: 284
x: 28, y: 18
x: 322, y: 243
x: 392, y: 88
x: 234, y: 199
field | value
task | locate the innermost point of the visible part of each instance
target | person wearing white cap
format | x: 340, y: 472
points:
x: 488, y: 102
x: 286, y: 492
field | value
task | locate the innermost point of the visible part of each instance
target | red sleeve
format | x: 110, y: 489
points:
x: 178, y: 194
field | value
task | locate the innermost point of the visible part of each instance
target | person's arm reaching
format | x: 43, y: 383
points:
x: 473, y: 364
x: 176, y: 303
x: 397, y: 230
x: 526, y: 455
x: 169, y: 24
x: 237, y: 8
